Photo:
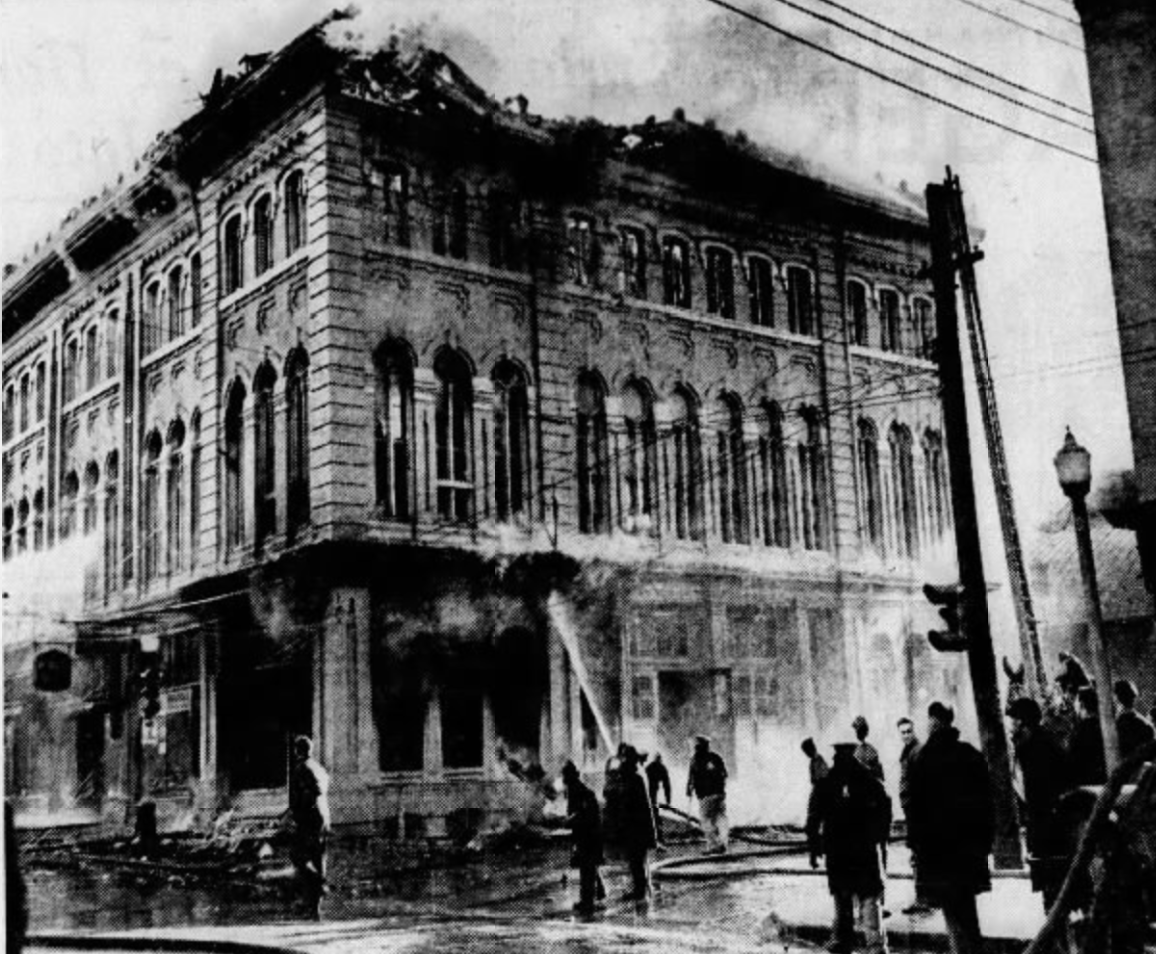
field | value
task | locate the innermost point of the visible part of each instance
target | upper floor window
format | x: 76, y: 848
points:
x: 923, y: 321
x: 511, y: 440
x: 176, y: 303
x: 233, y: 466
x: 935, y: 464
x: 453, y: 427
x: 9, y: 412
x: 263, y: 235
x: 25, y: 400
x: 150, y: 510
x: 265, y: 457
x: 872, y: 518
x: 393, y: 430
x: 195, y: 488
x: 676, y: 272
x: 175, y: 494
x: 505, y: 240
x: 41, y: 391
x: 71, y: 368
x: 592, y: 456
x: 151, y: 317
x: 800, y: 301
x: 195, y: 290
x: 111, y: 522
x: 232, y: 274
x: 633, y: 250
x: 812, y: 475
x: 685, y: 470
x: 903, y: 490
x: 23, y: 511
x: 774, y: 497
x: 89, y: 511
x: 720, y: 282
x: 580, y: 249
x: 891, y: 338
x: 761, y: 288
x: 38, y: 520
x: 857, y: 312
x: 297, y: 441
x: 639, y: 459
x: 112, y: 344
x: 732, y: 472
x: 294, y: 193
x: 9, y: 528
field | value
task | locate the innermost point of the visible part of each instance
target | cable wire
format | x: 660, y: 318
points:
x: 1048, y: 11
x: 1023, y: 26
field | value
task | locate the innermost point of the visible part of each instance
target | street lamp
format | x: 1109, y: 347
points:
x: 1074, y: 470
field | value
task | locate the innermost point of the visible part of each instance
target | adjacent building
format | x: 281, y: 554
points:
x: 464, y: 439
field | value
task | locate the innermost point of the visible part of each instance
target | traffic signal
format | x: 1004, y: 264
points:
x: 150, y: 692
x: 949, y: 599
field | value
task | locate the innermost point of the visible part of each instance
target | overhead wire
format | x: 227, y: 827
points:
x: 1019, y: 23
x: 1048, y: 11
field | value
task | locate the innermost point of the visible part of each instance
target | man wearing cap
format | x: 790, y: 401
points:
x: 585, y: 821
x: 952, y: 827
x: 636, y: 830
x: 865, y: 752
x: 911, y: 749
x: 1043, y: 769
x: 1086, y: 749
x: 309, y: 812
x: 1132, y: 729
x: 707, y: 781
x: 848, y: 819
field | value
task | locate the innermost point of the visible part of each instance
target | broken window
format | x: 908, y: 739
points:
x: 265, y: 461
x: 294, y: 211
x: 10, y: 410
x: 461, y: 710
x: 111, y: 523
x: 9, y: 527
x: 642, y: 697
x: 453, y: 427
x: 732, y: 472
x: 297, y: 441
x: 263, y: 235
x: 112, y: 343
x: 800, y: 301
x: 580, y: 249
x: 592, y: 456
x: 687, y: 467
x: 231, y: 257
x: 760, y: 284
x: 151, y: 319
x: 393, y: 181
x: 773, y: 495
x: 150, y: 510
x: 924, y: 328
x: 91, y: 480
x: 511, y: 440
x: 71, y: 358
x: 720, y: 282
x: 505, y: 242
x: 633, y: 250
x: 639, y: 462
x: 869, y: 474
x: 393, y: 424
x: 38, y: 520
x: 676, y: 272
x: 812, y: 475
x: 857, y: 312
x: 889, y: 321
x: 176, y: 303
x: 69, y: 493
x: 234, y: 457
x: 22, y: 512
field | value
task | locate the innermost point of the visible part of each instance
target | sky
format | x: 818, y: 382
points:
x: 86, y: 86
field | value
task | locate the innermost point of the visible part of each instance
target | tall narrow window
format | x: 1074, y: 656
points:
x: 774, y: 491
x: 176, y: 303
x: 297, y: 441
x: 10, y: 412
x: 294, y: 211
x: 91, y: 481
x: 175, y: 493
x: 392, y: 431
x: 151, y: 318
x: 233, y: 465
x: 112, y: 344
x: 111, y: 523
x: 720, y: 282
x: 592, y: 456
x: 265, y: 460
x: 869, y: 476
x: 640, y: 459
x: 505, y: 245
x: 676, y: 272
x: 263, y: 235
x: 459, y: 221
x: 580, y: 249
x: 903, y: 488
x: 923, y: 321
x: 936, y: 467
x: 195, y: 297
x: 800, y: 301
x: 511, y: 440
x: 25, y: 401
x: 453, y: 437
x: 732, y: 472
x: 195, y: 489
x: 395, y: 205
x: 69, y: 496
x: 38, y: 520
x: 71, y: 362
x: 9, y: 529
x: 150, y: 527
x: 857, y: 312
x: 687, y: 468
x: 91, y: 357
x: 891, y: 339
x: 41, y: 391
x: 761, y: 289
x: 813, y: 478
x: 633, y: 251
x: 231, y: 258
x: 23, y: 512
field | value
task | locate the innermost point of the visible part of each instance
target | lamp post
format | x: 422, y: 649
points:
x: 1074, y: 469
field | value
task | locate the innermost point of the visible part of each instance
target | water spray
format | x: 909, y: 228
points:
x: 558, y: 609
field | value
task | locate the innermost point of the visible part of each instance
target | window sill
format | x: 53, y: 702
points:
x: 260, y: 282
x: 170, y: 348
x: 878, y: 354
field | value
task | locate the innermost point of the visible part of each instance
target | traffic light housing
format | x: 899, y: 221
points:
x: 150, y: 692
x: 949, y: 599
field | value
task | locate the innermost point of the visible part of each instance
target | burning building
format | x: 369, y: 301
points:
x: 465, y: 440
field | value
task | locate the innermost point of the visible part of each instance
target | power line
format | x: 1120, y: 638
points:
x: 1048, y: 11
x: 858, y: 34
x: 1023, y: 26
x: 953, y: 58
x: 918, y: 91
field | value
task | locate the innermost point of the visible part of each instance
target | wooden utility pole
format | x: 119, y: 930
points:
x: 948, y: 236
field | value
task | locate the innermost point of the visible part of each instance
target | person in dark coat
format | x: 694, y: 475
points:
x: 952, y: 827
x: 707, y: 780
x: 911, y: 749
x: 1132, y: 729
x: 309, y: 811
x: 636, y: 824
x: 1086, y: 754
x: 657, y: 780
x: 865, y: 752
x: 1043, y: 769
x: 817, y: 765
x: 585, y: 821
x: 848, y: 821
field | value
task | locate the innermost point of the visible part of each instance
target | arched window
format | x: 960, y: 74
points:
x: 91, y: 357
x: 10, y: 412
x: 889, y: 320
x: 511, y: 440
x: 195, y: 489
x: 732, y: 471
x: 111, y: 522
x: 774, y: 495
x: 69, y: 492
x: 505, y: 241
x: 71, y: 360
x: 676, y: 272
x: 923, y: 322
x: 857, y: 312
x: 936, y: 466
x: 592, y: 456
x: 263, y: 234
x: 869, y: 474
x: 297, y: 441
x: 393, y: 431
x: 580, y: 248
x: 91, y: 481
x: 41, y: 391
x: 175, y: 491
x: 195, y: 290
x: 38, y: 520
x: 633, y: 252
x: 800, y: 301
x: 176, y: 303
x: 687, y: 467
x: 294, y: 211
x: 151, y: 317
x: 720, y: 282
x: 150, y: 510
x: 813, y: 478
x: 112, y: 344
x: 234, y: 467
x: 761, y: 289
x: 232, y: 268
x: 453, y: 436
x: 640, y: 459
x: 395, y: 204
x: 23, y: 510
x: 459, y: 211
x: 903, y: 490
x: 25, y: 400
x: 265, y: 460
x: 9, y: 529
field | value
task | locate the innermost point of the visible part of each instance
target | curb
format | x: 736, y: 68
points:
x: 175, y: 945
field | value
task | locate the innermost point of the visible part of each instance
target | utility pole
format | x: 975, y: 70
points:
x: 945, y: 212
